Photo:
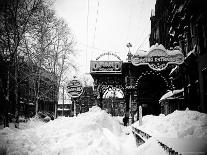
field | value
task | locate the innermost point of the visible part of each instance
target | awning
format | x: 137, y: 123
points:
x: 170, y: 94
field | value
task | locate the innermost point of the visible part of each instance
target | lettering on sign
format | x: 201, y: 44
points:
x: 158, y: 58
x: 106, y: 66
x: 108, y: 53
x: 74, y: 88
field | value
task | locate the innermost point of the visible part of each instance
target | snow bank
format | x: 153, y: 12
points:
x: 151, y: 147
x: 184, y: 131
x: 91, y: 133
x: 178, y: 124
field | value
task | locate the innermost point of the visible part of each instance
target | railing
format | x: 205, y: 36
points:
x: 142, y: 136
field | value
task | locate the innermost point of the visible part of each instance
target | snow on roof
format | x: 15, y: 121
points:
x: 174, y: 69
x: 157, y: 46
x: 176, y: 50
x: 171, y: 93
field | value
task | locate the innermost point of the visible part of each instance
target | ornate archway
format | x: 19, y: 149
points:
x: 150, y: 86
x: 107, y: 74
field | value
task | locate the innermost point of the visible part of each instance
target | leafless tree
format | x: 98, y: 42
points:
x: 15, y: 17
x: 48, y: 45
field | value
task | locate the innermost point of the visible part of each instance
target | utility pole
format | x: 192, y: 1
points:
x: 63, y: 100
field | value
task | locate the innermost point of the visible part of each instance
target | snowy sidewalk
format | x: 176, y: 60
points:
x: 183, y: 131
x: 187, y: 146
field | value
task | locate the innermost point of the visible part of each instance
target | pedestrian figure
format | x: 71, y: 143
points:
x: 126, y: 119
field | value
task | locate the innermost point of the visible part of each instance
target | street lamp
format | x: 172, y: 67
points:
x: 129, y: 55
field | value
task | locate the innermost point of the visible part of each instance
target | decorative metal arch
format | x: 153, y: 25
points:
x: 149, y: 73
x: 103, y: 88
x: 113, y: 89
x: 108, y: 53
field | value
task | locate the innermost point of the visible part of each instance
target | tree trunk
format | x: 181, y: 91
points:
x: 16, y: 90
x: 6, y: 124
x: 37, y: 93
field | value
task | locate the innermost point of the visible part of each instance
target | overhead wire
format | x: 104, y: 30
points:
x: 129, y: 23
x: 87, y: 32
x: 140, y: 15
x: 143, y: 42
x: 140, y: 36
x: 97, y: 15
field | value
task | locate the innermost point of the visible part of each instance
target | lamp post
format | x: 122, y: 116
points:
x: 130, y: 99
x: 74, y: 109
x: 129, y: 55
x: 130, y: 108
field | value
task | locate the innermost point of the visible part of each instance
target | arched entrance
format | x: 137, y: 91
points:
x: 113, y: 101
x: 106, y: 71
x: 150, y: 87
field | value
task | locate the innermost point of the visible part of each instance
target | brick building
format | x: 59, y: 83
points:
x: 184, y: 23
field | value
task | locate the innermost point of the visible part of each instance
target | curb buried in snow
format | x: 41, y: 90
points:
x: 181, y: 146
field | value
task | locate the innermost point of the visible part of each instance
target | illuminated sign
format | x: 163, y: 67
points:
x: 106, y: 66
x: 158, y: 58
x: 74, y: 88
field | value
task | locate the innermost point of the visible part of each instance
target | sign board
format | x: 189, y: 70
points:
x: 74, y: 88
x: 158, y: 58
x: 106, y: 67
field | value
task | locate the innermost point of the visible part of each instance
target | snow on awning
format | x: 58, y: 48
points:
x: 191, y: 56
x: 175, y: 69
x: 170, y: 94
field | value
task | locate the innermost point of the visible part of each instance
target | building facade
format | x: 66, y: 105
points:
x: 27, y: 88
x: 184, y: 23
x: 85, y: 101
x: 141, y: 85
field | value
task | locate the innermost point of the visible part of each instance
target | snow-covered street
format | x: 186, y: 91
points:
x: 98, y: 133
x: 91, y: 133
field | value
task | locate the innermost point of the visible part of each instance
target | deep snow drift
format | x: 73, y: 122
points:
x: 184, y: 131
x: 178, y: 124
x: 98, y: 133
x: 91, y: 133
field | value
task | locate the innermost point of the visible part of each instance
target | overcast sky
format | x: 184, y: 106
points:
x: 106, y: 25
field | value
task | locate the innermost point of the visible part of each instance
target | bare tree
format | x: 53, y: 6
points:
x: 15, y: 18
x: 48, y: 45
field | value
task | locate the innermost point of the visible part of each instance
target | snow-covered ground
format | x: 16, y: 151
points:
x: 91, y: 133
x: 98, y: 133
x: 176, y: 125
x: 184, y: 131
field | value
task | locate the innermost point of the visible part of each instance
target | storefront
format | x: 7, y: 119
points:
x: 171, y: 101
